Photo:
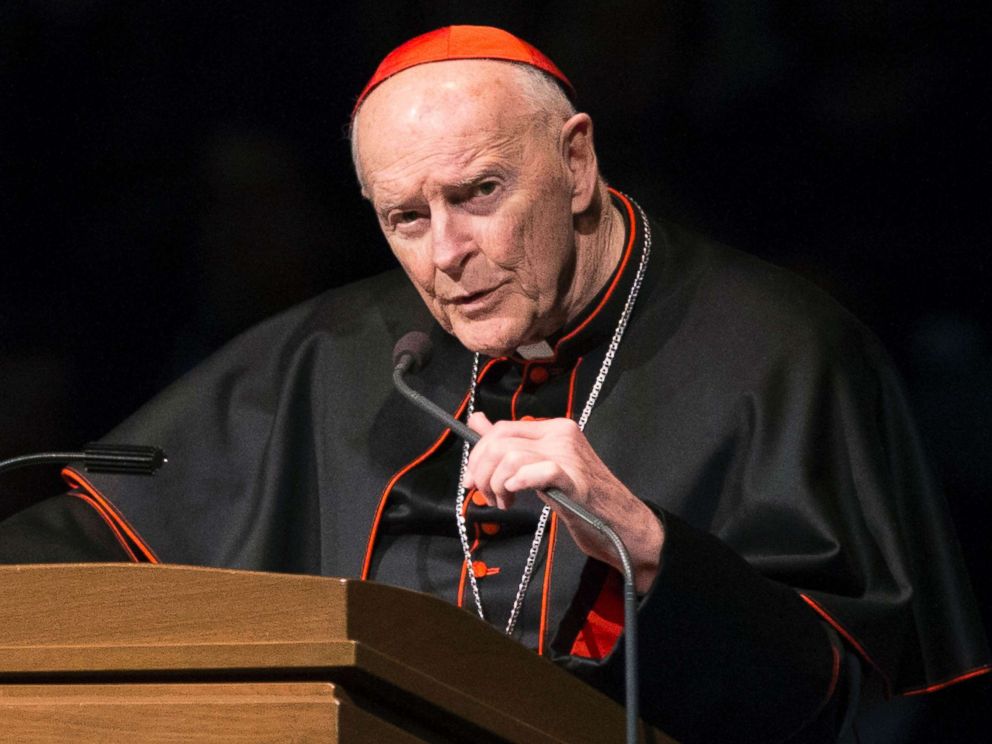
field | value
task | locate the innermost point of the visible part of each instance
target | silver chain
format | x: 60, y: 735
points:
x: 460, y: 498
x: 604, y: 369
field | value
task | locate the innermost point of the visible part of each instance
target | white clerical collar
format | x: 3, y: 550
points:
x: 540, y: 350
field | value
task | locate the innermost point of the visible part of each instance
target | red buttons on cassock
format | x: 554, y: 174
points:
x: 481, y: 570
x: 538, y: 375
x: 477, y: 498
x: 490, y: 528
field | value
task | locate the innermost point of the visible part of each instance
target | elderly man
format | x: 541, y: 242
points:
x: 742, y: 433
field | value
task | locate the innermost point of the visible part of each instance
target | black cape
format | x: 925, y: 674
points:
x: 761, y: 421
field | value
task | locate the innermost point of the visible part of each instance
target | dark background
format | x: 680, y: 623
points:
x: 171, y: 172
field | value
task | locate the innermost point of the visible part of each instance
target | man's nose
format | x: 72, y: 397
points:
x: 451, y: 243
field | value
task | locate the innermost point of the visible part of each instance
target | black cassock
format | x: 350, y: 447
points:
x: 760, y: 421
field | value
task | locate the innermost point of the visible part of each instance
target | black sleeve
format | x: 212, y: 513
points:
x: 725, y: 654
x: 62, y: 529
x: 803, y: 496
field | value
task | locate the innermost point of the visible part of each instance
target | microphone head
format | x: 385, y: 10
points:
x: 417, y: 346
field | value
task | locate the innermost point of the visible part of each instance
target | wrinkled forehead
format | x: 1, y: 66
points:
x: 484, y: 89
x: 453, y: 111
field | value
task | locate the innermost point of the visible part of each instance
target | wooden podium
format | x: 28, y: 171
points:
x: 138, y: 653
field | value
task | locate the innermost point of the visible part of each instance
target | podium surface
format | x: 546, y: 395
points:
x: 108, y: 652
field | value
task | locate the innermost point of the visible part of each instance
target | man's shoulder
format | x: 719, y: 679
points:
x: 381, y: 298
x: 752, y: 290
x: 761, y: 310
x: 335, y: 336
x: 377, y: 308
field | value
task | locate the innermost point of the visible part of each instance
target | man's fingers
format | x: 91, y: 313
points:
x: 507, y: 447
x: 527, y: 428
x: 486, y: 456
x: 539, y: 475
x: 507, y: 468
x: 479, y: 423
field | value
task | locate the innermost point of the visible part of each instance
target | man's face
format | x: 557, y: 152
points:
x: 472, y: 193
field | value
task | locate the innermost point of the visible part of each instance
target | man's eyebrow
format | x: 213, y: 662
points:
x: 385, y: 207
x: 478, y: 177
x: 484, y: 173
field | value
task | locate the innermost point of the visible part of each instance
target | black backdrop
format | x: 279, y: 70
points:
x: 174, y: 171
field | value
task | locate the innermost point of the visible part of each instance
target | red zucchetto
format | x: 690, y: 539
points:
x: 462, y: 42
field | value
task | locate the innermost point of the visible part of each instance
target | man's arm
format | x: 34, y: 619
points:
x: 726, y: 654
x: 516, y: 456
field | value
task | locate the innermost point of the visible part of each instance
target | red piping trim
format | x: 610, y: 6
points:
x: 516, y: 393
x: 571, y: 388
x: 947, y: 683
x: 461, y: 584
x: 85, y: 497
x: 373, y: 531
x: 616, y: 279
x: 463, y: 574
x: 888, y: 685
x: 546, y: 591
x: 834, y: 673
x: 77, y: 480
x: 846, y: 635
x: 367, y: 562
x: 553, y: 532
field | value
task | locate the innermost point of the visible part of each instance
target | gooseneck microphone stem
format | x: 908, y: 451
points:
x: 405, y: 359
x: 428, y: 406
x: 41, y: 458
x: 124, y: 459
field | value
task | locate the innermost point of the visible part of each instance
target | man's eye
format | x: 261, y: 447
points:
x: 485, y: 188
x: 404, y: 218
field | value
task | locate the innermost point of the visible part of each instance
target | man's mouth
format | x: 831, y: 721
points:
x: 470, y: 297
x: 475, y: 302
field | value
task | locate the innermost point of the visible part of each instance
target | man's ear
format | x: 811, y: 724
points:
x: 580, y: 159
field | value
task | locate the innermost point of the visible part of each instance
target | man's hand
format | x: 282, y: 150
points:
x: 515, y: 456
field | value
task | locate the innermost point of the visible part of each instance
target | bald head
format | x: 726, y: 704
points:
x: 541, y: 96
x: 478, y: 173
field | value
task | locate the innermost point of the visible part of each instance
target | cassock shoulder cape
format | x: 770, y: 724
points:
x: 761, y: 421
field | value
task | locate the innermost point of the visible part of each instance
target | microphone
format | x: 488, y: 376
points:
x: 124, y: 459
x: 411, y: 353
x: 416, y: 346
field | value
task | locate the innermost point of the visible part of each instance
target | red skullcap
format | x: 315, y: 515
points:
x: 462, y: 42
